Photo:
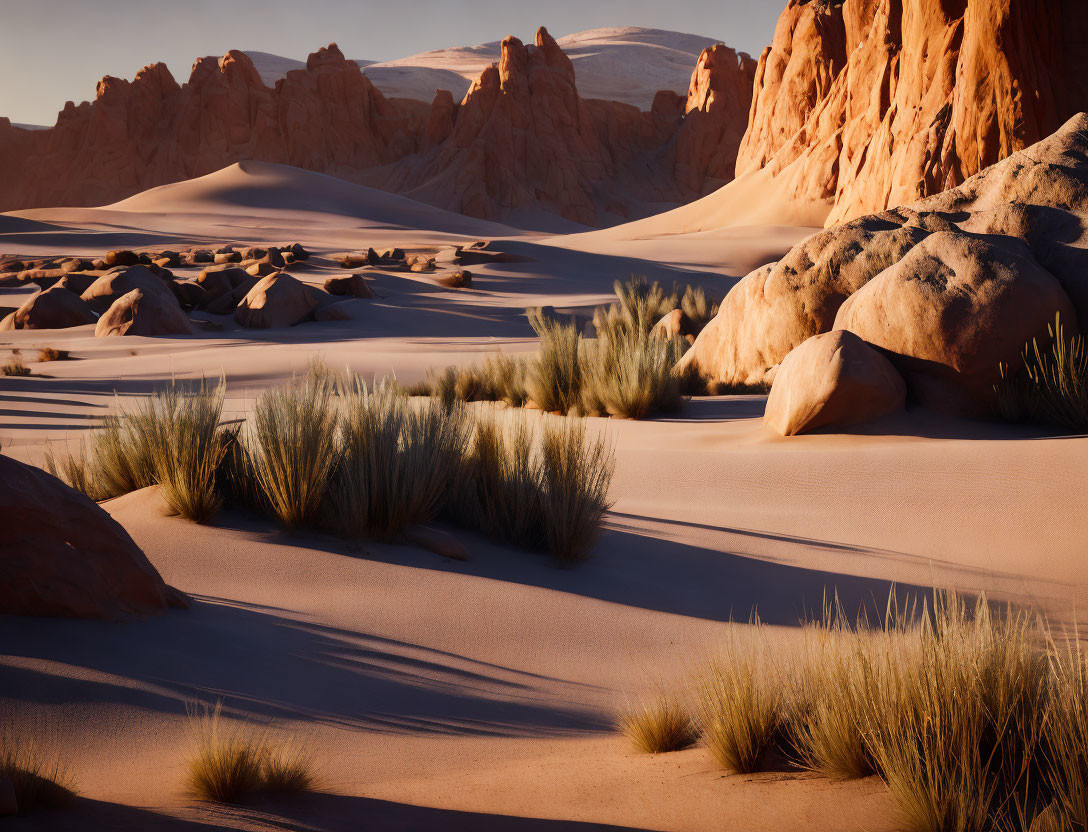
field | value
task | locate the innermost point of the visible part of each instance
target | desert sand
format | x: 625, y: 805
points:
x: 447, y: 695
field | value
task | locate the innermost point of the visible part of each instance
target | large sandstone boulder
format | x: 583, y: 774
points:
x: 869, y: 104
x: 832, y: 380
x: 56, y: 308
x: 116, y: 283
x: 63, y: 555
x: 351, y: 285
x: 961, y: 280
x: 143, y: 313
x: 275, y: 301
x: 954, y: 309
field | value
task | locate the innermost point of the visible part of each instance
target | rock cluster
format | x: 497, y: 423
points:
x: 947, y: 288
x: 869, y: 104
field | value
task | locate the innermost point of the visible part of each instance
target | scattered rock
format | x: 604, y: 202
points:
x: 189, y: 294
x: 101, y: 294
x: 121, y: 258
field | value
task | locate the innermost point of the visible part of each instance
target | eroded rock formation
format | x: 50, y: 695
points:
x: 522, y: 141
x: 869, y: 104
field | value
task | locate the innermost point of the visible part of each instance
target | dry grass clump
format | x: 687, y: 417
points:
x: 576, y: 473
x: 741, y: 703
x: 172, y: 439
x: 40, y: 780
x: 53, y: 354
x: 291, y: 449
x: 1051, y: 385
x: 337, y: 455
x: 396, y: 461
x: 554, y: 379
x: 973, y: 718
x: 545, y: 488
x: 15, y: 366
x: 231, y: 764
x: 622, y: 372
x: 658, y: 725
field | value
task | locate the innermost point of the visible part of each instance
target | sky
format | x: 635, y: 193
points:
x: 56, y: 50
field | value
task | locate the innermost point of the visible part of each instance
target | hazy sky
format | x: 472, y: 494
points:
x: 56, y: 50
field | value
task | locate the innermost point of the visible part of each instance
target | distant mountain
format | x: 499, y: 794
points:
x: 623, y: 63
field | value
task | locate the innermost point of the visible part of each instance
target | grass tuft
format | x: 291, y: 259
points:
x: 658, y: 725
x: 15, y: 366
x: 554, y: 379
x: 292, y: 449
x: 740, y: 704
x: 576, y: 473
x: 40, y: 780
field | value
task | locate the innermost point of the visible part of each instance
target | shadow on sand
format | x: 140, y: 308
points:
x: 310, y: 813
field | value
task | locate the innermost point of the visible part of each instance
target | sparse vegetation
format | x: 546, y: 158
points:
x: 658, y: 725
x: 229, y: 764
x: 1050, y: 385
x: 625, y: 371
x: 40, y: 780
x: 974, y: 718
x: 334, y: 454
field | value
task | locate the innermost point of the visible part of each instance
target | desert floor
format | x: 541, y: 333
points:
x: 451, y: 695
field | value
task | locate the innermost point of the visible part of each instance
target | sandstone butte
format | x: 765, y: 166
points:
x: 870, y: 104
x: 521, y: 140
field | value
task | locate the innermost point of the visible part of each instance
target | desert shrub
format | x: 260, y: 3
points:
x: 1051, y: 385
x: 226, y: 764
x: 53, y: 354
x: 698, y: 306
x: 15, y: 365
x: 39, y: 779
x: 1067, y: 740
x: 288, y: 768
x: 500, y: 489
x: 631, y: 377
x: 291, y: 449
x: 554, y: 379
x: 396, y: 461
x: 575, y: 475
x: 506, y: 379
x: 642, y: 304
x: 187, y: 449
x: 658, y: 725
x: 740, y: 703
x: 956, y: 717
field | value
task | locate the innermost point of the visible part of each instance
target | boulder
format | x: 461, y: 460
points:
x: 143, y: 313
x: 227, y: 257
x: 61, y: 554
x: 832, y: 380
x: 276, y: 301
x: 352, y: 285
x: 56, y: 308
x: 298, y: 252
x: 954, y: 309
x: 202, y: 256
x: 460, y: 279
x: 122, y: 257
x: 101, y: 294
x: 226, y: 302
x: 189, y: 294
x: 77, y: 282
x: 261, y: 269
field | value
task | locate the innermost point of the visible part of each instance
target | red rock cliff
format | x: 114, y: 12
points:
x: 868, y: 104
